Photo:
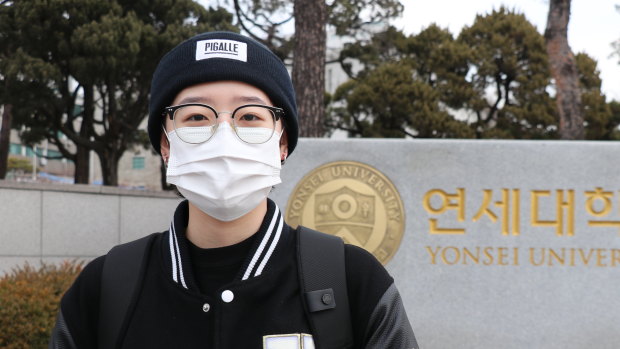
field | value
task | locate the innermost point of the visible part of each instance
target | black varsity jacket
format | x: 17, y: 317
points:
x: 260, y: 308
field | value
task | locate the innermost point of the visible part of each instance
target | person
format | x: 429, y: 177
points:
x: 222, y: 115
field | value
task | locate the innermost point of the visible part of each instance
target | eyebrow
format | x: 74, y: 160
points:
x: 250, y: 99
x: 209, y: 101
x: 195, y: 99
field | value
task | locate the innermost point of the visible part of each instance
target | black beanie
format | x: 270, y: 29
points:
x: 219, y: 56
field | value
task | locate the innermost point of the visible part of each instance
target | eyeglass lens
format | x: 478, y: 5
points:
x: 197, y: 124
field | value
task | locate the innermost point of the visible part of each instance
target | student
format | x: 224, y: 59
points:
x: 225, y: 275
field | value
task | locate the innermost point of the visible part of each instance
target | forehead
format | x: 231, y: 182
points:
x: 222, y: 93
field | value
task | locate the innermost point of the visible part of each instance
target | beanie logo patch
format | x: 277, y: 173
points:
x: 220, y: 48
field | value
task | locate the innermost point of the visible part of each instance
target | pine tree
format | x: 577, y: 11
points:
x: 97, y: 59
x: 509, y: 71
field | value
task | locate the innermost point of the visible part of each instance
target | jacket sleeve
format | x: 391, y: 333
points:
x: 377, y: 311
x: 77, y: 319
x: 388, y: 326
x: 61, y: 337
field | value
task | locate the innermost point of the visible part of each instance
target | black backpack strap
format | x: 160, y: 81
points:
x: 123, y: 271
x: 323, y: 283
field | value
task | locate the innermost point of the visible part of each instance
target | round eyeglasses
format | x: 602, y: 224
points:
x: 196, y: 123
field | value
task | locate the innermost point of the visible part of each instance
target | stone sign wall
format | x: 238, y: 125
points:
x: 52, y: 223
x: 498, y: 244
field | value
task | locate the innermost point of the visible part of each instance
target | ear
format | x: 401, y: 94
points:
x: 283, y: 146
x: 164, y: 146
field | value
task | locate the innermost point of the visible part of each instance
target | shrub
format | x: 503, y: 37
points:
x: 29, y: 301
x: 20, y: 164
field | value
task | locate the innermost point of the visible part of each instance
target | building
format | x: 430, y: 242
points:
x: 41, y: 163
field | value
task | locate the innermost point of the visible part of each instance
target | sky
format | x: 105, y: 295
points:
x: 593, y: 26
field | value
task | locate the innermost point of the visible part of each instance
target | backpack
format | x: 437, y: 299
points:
x: 322, y: 280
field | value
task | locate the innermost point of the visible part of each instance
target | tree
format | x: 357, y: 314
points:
x: 491, y: 82
x: 564, y: 70
x: 509, y: 72
x: 100, y: 58
x: 389, y: 102
x: 600, y: 121
x: 45, y: 31
x: 7, y: 44
x: 404, y: 88
x: 309, y: 65
x: 347, y: 17
x: 18, y: 77
x: 5, y: 134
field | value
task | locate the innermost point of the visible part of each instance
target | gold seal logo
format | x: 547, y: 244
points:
x: 351, y: 200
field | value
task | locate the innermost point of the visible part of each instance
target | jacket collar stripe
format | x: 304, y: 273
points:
x: 176, y: 259
x: 267, y: 246
x: 262, y: 245
x: 172, y: 253
x: 271, y: 248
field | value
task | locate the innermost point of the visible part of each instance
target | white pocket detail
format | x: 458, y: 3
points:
x: 288, y: 341
x: 306, y: 341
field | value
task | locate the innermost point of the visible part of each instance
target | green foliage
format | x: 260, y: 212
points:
x: 19, y: 164
x: 601, y: 122
x: 614, y: 106
x: 492, y: 81
x: 389, y: 102
x: 386, y: 46
x: 406, y: 86
x: 29, y: 301
x: 510, y: 74
x: 97, y: 54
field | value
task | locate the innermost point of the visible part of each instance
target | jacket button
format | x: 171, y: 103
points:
x: 326, y: 298
x: 228, y: 296
x: 206, y: 307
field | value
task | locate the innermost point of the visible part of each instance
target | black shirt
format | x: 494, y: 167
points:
x: 215, y: 267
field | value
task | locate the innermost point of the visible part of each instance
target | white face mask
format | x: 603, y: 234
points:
x: 224, y: 177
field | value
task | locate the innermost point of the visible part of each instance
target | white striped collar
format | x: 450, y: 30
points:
x: 260, y: 255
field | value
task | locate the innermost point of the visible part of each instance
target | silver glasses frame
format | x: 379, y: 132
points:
x: 277, y: 114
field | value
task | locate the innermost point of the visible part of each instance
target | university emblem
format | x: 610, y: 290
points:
x: 351, y: 200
